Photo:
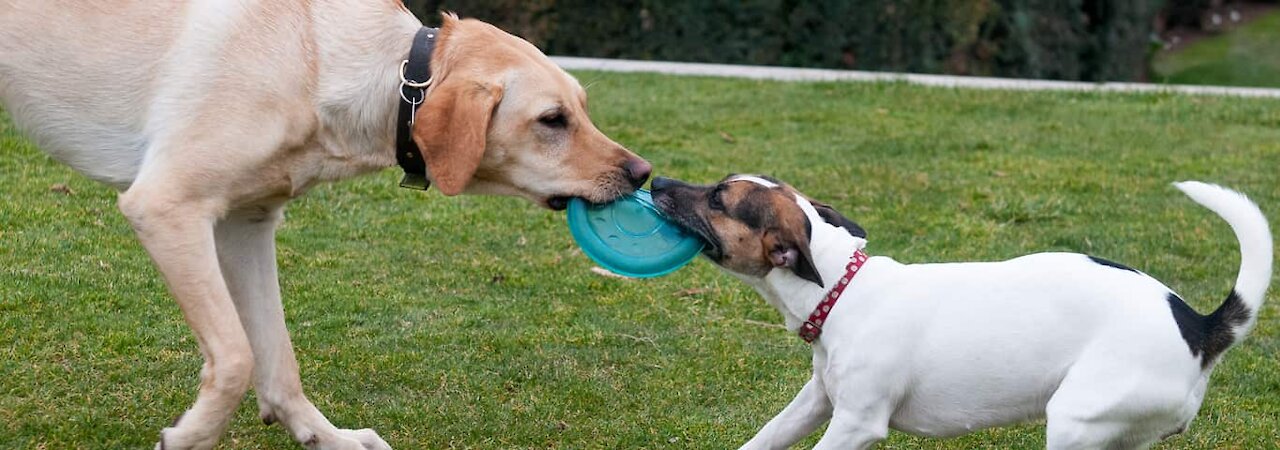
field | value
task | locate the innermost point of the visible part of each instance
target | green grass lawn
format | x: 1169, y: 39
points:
x: 476, y: 323
x: 1246, y: 56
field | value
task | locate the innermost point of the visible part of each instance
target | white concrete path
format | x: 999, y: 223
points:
x: 801, y: 74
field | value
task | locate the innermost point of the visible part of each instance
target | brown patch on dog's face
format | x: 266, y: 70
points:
x: 503, y: 119
x: 750, y: 228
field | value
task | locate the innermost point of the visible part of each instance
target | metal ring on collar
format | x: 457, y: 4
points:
x: 405, y: 81
x: 422, y: 96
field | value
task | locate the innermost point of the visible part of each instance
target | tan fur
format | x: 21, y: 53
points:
x: 451, y: 130
x: 211, y: 115
x: 524, y: 158
x: 755, y: 220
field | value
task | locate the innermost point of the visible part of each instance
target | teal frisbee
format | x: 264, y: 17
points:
x: 630, y: 237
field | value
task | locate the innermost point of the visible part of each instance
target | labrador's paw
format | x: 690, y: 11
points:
x: 339, y: 439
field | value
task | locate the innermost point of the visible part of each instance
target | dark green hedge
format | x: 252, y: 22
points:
x: 1061, y: 39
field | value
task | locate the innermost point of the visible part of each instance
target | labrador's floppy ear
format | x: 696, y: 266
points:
x: 788, y: 246
x: 451, y: 128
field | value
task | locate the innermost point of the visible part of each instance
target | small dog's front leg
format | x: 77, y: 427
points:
x: 805, y: 413
x: 856, y: 429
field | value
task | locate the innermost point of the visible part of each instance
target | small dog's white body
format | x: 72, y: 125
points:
x: 952, y: 348
x: 946, y: 349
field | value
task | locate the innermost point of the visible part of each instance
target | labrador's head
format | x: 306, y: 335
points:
x: 500, y: 118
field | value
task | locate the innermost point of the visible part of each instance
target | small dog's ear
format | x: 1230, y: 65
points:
x: 833, y: 217
x: 791, y: 250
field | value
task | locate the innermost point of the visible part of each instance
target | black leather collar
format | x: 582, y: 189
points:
x: 415, y: 77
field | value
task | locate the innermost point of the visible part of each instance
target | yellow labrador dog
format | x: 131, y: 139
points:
x: 209, y: 116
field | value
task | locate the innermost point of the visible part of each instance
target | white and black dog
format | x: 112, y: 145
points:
x: 1111, y: 357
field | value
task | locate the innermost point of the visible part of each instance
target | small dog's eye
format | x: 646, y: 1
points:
x: 713, y: 200
x: 554, y: 120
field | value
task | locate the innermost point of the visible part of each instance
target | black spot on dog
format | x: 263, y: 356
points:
x: 1112, y: 264
x: 1209, y: 336
x: 833, y: 217
x: 755, y: 212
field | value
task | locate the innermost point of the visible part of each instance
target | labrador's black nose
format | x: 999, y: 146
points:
x: 638, y: 171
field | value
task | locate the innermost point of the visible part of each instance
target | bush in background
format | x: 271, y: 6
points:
x: 1061, y: 39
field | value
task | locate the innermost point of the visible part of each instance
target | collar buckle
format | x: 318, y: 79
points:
x: 809, y: 331
x: 415, y: 181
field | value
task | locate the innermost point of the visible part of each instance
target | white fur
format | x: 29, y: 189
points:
x: 947, y: 349
x: 1253, y: 234
x: 754, y: 179
x: 210, y: 115
x: 204, y: 120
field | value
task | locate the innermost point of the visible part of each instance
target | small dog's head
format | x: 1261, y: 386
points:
x: 752, y: 224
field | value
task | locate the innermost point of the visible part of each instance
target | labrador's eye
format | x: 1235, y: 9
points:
x: 554, y: 120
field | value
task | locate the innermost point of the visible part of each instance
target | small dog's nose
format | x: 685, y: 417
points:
x: 638, y: 171
x: 660, y: 183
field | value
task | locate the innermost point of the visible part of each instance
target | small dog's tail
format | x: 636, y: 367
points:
x: 1232, y: 320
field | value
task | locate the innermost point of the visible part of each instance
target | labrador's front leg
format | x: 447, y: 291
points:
x: 246, y: 252
x: 176, y: 228
x: 805, y: 413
